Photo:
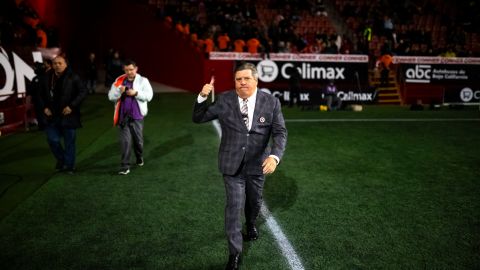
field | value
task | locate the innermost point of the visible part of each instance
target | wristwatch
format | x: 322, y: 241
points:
x: 203, y: 95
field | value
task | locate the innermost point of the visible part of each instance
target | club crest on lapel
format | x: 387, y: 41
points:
x: 261, y: 119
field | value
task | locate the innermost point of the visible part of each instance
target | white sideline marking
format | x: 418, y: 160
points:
x: 387, y: 120
x: 282, y: 241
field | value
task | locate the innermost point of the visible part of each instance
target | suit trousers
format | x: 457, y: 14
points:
x: 243, y: 191
x: 131, y: 134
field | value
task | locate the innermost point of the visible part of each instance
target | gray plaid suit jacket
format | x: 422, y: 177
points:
x: 237, y: 141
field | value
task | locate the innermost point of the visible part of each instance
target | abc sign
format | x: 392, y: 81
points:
x: 420, y: 72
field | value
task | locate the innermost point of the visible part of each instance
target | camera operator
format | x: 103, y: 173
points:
x: 131, y: 93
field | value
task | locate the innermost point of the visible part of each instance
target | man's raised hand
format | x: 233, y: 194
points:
x: 207, y: 88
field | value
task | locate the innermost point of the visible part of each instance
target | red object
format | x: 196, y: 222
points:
x: 116, y: 113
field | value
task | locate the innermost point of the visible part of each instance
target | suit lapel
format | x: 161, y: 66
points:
x: 232, y: 102
x: 258, y: 108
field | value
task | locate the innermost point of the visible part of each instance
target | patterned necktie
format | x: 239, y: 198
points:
x: 244, y: 111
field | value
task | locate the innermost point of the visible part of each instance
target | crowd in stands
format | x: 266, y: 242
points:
x: 238, y: 26
x: 20, y: 26
x: 377, y: 27
x: 414, y: 27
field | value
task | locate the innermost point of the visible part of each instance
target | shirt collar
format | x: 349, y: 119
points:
x: 251, y: 100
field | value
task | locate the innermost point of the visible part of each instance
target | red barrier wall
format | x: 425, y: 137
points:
x: 223, y: 72
x: 86, y: 26
x: 425, y: 92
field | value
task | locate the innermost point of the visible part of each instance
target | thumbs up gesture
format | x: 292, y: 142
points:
x: 207, y: 88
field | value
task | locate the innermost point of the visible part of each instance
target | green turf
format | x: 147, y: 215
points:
x: 362, y: 195
x: 377, y: 195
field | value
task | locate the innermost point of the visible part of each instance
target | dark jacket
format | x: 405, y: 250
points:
x: 71, y: 92
x: 237, y: 142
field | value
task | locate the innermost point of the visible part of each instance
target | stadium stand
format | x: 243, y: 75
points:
x: 402, y: 28
x: 374, y: 28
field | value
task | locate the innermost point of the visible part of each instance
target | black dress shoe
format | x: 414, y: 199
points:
x: 59, y: 167
x: 252, y: 233
x: 70, y: 171
x: 233, y: 262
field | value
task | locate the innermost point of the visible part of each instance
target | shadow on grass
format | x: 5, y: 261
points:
x: 101, y: 160
x: 18, y: 156
x: 95, y: 163
x: 212, y: 267
x: 169, y: 146
x: 13, y: 142
x: 7, y: 181
x: 280, y: 191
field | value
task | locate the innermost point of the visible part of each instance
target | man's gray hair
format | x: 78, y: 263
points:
x: 250, y: 66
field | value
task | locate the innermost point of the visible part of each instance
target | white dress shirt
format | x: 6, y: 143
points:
x: 251, y: 108
x: 250, y: 105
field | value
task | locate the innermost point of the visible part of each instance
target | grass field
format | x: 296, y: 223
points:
x: 357, y: 194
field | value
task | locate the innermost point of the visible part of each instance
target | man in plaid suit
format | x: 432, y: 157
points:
x: 248, y: 119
